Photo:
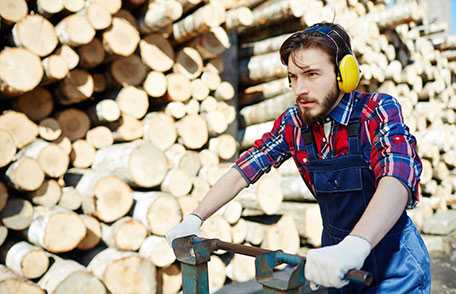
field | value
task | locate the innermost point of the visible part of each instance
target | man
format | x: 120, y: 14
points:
x: 357, y: 157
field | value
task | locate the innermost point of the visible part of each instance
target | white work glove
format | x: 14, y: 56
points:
x: 190, y: 225
x: 328, y: 265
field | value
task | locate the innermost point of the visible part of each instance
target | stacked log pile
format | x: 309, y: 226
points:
x: 116, y: 122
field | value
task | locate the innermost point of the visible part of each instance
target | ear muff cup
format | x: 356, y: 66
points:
x: 349, y: 74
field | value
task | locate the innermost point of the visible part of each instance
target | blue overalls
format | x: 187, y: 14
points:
x: 343, y: 189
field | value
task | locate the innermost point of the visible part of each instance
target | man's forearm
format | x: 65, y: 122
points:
x: 383, y: 211
x: 225, y: 189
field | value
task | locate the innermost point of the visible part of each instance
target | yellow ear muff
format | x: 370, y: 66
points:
x: 349, y: 71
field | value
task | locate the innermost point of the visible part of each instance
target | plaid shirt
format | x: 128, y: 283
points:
x: 386, y: 142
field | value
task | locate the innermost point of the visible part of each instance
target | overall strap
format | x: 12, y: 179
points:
x: 354, y: 127
x: 309, y: 144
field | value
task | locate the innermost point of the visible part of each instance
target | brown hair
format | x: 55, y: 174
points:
x: 314, y: 39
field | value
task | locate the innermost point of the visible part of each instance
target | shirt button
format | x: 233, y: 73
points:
x: 324, y: 140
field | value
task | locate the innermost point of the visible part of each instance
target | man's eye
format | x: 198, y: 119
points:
x: 313, y: 74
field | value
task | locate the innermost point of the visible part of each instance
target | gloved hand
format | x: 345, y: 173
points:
x: 328, y: 265
x: 190, y: 225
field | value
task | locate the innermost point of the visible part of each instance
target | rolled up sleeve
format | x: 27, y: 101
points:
x: 270, y: 150
x: 394, y: 150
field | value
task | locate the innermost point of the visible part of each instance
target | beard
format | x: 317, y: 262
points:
x: 326, y: 106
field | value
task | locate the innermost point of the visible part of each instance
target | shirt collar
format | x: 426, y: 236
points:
x: 342, y: 111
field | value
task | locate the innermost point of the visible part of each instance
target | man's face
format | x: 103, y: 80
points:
x: 313, y: 80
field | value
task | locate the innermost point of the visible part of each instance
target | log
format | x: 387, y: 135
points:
x: 12, y: 11
x: 171, y: 277
x: 74, y: 123
x: 232, y: 212
x: 71, y: 199
x: 267, y: 110
x: 211, y: 79
x: 68, y: 276
x: 91, y: 54
x: 255, y: 233
x: 110, y: 200
x: 52, y: 159
x: 265, y: 195
x: 48, y: 194
x: 24, y: 259
x: 192, y: 106
x: 210, y: 15
x: 75, y: 30
x: 55, y: 68
x: 261, y: 68
x: 239, y: 232
x: 200, y: 188
x: 7, y: 148
x: 193, y: 131
x: 17, y: 214
x: 93, y: 233
x: 160, y: 130
x: 36, y: 34
x: 4, y: 195
x: 209, y: 104
x: 3, y: 234
x: 190, y: 163
x: 216, y: 227
x: 121, y: 38
x: 117, y: 269
x: 211, y: 173
x: 188, y: 63
x: 69, y: 55
x: 104, y: 111
x: 64, y: 143
x: 133, y: 101
x: 157, y: 52
x: 36, y: 104
x: 99, y: 82
x: 212, y: 43
x: 82, y: 154
x: 224, y: 146
x: 215, y: 121
x: 99, y: 137
x: 13, y: 63
x: 73, y: 5
x: 157, y: 250
x: 199, y: 89
x: 264, y: 91
x: 253, y: 133
x: 188, y: 204
x: 176, y: 182
x: 12, y: 283
x: 49, y: 7
x: 98, y: 16
x: 25, y: 174
x: 217, y: 271
x: 174, y: 154
x: 228, y: 111
x: 141, y: 164
x: 268, y: 45
x: 159, y: 15
x: 112, y: 6
x: 128, y: 71
x: 224, y: 91
x: 189, y: 4
x: 398, y: 14
x: 241, y: 268
x: 125, y: 234
x: 179, y: 87
x: 294, y: 189
x: 276, y: 12
x: 175, y: 109
x: 282, y: 236
x: 56, y: 229
x: 155, y: 84
x: 127, y: 129
x: 158, y: 211
x: 76, y: 87
x: 238, y: 17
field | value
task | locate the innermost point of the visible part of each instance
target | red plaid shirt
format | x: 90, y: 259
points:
x: 386, y: 142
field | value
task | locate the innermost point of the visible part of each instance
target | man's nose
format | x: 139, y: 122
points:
x: 301, y: 88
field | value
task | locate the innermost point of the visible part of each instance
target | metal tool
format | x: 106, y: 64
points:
x: 194, y: 253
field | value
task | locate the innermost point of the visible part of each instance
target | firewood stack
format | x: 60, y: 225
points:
x: 116, y: 121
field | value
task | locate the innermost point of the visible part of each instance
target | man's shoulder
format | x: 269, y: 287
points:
x: 290, y: 117
x: 375, y: 100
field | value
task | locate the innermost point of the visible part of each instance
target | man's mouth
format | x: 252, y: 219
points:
x: 306, y: 103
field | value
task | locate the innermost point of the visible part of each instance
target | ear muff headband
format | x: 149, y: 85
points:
x: 348, y: 76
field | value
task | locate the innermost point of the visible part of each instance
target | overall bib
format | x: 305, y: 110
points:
x: 343, y: 188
